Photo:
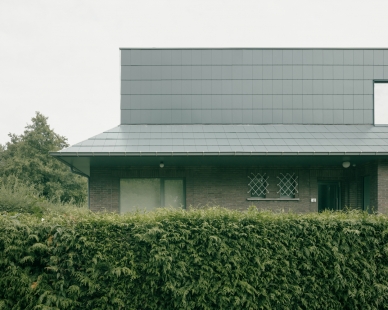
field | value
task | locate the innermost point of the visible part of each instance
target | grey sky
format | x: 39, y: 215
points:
x: 62, y: 57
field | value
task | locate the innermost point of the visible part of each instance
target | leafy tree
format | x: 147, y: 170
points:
x: 27, y: 157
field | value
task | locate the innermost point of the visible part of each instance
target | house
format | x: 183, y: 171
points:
x: 282, y: 128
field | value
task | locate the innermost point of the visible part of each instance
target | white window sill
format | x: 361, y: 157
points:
x: 269, y: 199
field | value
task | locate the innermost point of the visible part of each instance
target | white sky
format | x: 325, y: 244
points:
x: 62, y: 57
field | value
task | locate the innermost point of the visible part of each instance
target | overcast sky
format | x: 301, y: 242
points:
x: 61, y: 58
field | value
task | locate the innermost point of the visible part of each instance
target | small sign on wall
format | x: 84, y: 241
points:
x: 313, y: 199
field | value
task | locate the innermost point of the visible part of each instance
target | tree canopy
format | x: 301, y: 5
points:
x: 27, y: 158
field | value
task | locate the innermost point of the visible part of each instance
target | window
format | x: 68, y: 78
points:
x: 258, y: 185
x: 381, y: 103
x: 288, y: 185
x: 150, y: 193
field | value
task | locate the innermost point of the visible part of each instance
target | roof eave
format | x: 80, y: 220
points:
x: 136, y: 154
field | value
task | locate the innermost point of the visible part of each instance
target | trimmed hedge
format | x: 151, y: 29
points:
x: 199, y: 259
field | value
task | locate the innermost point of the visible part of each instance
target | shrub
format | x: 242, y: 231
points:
x: 18, y: 197
x: 198, y: 259
x: 27, y: 157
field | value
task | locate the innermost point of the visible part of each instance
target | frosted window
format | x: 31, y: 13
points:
x: 173, y: 193
x: 139, y: 194
x: 381, y: 103
x: 146, y: 194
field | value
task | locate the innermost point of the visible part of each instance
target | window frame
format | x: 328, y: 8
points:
x: 374, y: 103
x: 162, y: 198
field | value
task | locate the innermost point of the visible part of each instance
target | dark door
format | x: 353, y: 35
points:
x: 367, y: 206
x: 328, y: 196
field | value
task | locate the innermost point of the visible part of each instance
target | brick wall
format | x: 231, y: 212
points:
x: 228, y: 186
x: 382, y: 187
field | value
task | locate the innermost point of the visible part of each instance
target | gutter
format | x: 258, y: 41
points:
x: 146, y: 154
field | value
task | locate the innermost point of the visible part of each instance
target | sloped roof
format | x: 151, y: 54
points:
x: 132, y: 140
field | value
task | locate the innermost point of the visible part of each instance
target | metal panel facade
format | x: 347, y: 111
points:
x: 250, y: 86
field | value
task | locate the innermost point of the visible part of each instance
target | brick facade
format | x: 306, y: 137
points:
x: 382, y: 187
x: 228, y: 186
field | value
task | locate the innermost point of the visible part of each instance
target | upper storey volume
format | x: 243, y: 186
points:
x: 251, y: 86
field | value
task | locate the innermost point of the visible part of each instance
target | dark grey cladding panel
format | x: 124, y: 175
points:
x: 250, y: 86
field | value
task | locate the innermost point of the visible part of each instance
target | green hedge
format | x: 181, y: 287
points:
x: 200, y: 259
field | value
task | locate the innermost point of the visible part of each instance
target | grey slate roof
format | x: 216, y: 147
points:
x: 134, y: 140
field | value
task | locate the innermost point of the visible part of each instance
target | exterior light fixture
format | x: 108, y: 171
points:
x: 161, y: 165
x: 346, y: 164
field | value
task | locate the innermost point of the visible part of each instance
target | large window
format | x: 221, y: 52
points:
x: 381, y: 103
x: 150, y: 193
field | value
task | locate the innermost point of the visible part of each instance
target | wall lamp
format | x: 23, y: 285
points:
x: 161, y: 165
x: 346, y: 164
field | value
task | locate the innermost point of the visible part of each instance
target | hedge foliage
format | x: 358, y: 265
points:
x: 199, y: 259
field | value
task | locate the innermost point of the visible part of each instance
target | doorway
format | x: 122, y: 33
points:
x: 329, y: 196
x: 366, y: 202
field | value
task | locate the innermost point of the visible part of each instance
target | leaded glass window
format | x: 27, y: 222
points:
x: 258, y: 184
x: 288, y: 185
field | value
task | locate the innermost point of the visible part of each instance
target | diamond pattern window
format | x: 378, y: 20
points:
x: 288, y: 185
x: 258, y: 185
